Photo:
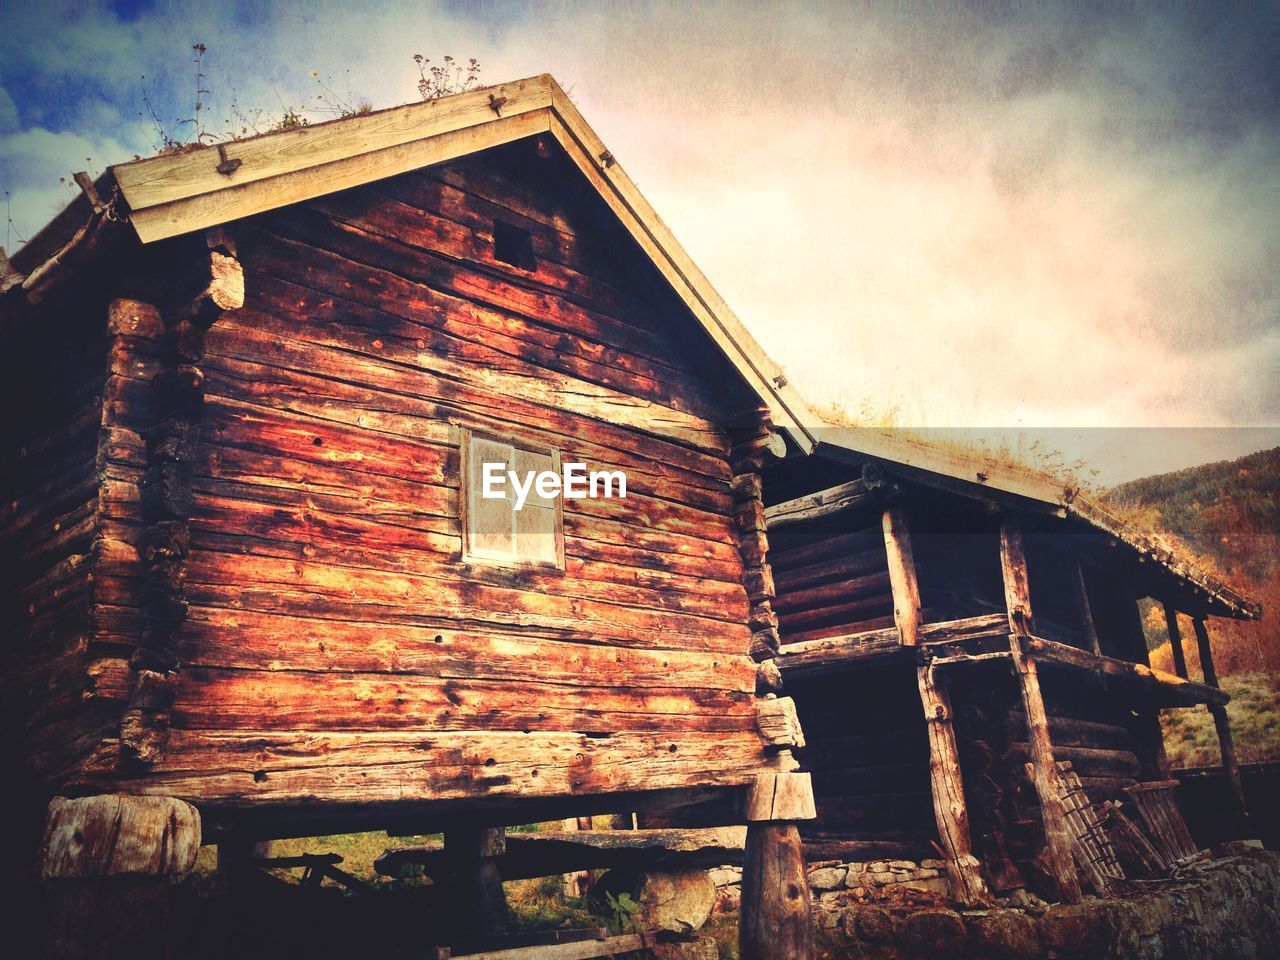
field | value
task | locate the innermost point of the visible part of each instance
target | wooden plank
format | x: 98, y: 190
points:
x: 208, y: 209
x: 1090, y: 845
x: 952, y: 817
x: 1044, y: 777
x: 821, y: 505
x: 1086, y: 612
x: 215, y: 699
x: 1175, y: 640
x: 579, y: 950
x: 1173, y: 691
x: 249, y: 769
x: 1221, y: 722
x: 820, y: 654
x: 546, y: 854
x: 902, y: 575
x: 1013, y: 566
x: 170, y: 178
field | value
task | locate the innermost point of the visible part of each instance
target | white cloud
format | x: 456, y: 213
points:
x: 1041, y: 219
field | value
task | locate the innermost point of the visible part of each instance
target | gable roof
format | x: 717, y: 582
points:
x: 972, y: 475
x: 204, y: 186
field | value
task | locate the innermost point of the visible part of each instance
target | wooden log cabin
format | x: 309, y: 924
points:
x: 946, y: 620
x: 248, y: 587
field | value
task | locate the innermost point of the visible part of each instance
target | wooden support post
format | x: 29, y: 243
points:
x: 1017, y: 589
x: 1013, y: 563
x: 1175, y: 641
x: 902, y: 576
x: 967, y: 886
x: 480, y: 904
x: 108, y: 862
x: 1086, y: 612
x: 1226, y: 745
x: 1147, y: 732
x: 775, y: 921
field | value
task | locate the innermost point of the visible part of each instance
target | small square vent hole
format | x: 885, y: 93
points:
x: 513, y: 245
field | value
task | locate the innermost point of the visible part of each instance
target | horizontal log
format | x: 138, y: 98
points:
x: 268, y: 585
x: 265, y: 768
x: 1170, y: 690
x: 530, y: 855
x: 852, y: 611
x: 219, y: 699
x: 841, y: 568
x: 246, y: 640
x: 811, y: 656
x: 831, y: 594
x: 813, y: 549
x: 823, y: 505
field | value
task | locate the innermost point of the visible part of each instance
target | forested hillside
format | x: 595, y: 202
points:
x: 1228, y: 515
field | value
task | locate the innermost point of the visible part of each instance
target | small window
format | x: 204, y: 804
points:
x: 493, y: 529
x: 513, y: 245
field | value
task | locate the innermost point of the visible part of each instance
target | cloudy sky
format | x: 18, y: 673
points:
x: 1063, y: 223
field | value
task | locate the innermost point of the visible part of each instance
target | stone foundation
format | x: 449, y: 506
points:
x: 835, y: 885
x: 895, y: 910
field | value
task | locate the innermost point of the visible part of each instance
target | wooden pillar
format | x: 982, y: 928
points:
x: 775, y: 921
x: 902, y: 576
x: 578, y: 882
x: 1227, y: 747
x: 1147, y: 732
x: 1086, y: 612
x: 967, y: 885
x: 479, y: 902
x: 1013, y: 564
x: 1175, y: 641
x: 108, y: 863
x: 949, y: 809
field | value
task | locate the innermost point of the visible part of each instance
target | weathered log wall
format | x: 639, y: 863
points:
x: 334, y: 646
x: 52, y: 377
x: 867, y: 749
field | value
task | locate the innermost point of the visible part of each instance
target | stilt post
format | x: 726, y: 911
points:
x: 1086, y: 612
x: 1013, y: 563
x: 1175, y: 641
x: 949, y: 808
x: 108, y: 862
x: 902, y: 576
x: 950, y: 812
x: 775, y: 921
x: 1226, y: 744
x: 480, y: 903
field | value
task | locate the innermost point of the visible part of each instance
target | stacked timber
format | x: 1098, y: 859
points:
x: 832, y: 584
x: 50, y: 539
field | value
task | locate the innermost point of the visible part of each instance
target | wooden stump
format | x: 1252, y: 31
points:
x: 108, y: 862
x: 775, y: 923
x: 479, y: 902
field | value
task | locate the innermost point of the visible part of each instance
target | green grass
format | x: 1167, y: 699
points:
x: 1254, y: 710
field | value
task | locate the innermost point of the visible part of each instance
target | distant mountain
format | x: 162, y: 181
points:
x: 1228, y: 514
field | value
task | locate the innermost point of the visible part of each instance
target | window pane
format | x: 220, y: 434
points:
x: 536, y: 533
x: 491, y: 529
x: 536, y: 463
